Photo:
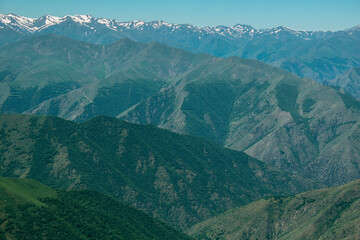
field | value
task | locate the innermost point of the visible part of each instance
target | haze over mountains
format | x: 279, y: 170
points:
x: 322, y: 56
x: 295, y: 124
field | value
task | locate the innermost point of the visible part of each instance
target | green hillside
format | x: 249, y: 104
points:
x: 332, y: 213
x: 31, y: 210
x: 177, y: 178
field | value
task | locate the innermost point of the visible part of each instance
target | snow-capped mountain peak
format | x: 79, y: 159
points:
x: 243, y: 27
x: 16, y: 22
x: 286, y: 31
x: 44, y: 22
x: 353, y: 29
x: 25, y: 25
x: 137, y: 23
x: 160, y: 23
x: 81, y: 18
x: 13, y: 18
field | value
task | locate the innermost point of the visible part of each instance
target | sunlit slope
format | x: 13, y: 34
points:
x: 331, y: 213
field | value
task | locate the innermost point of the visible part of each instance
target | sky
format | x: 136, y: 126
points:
x: 311, y: 15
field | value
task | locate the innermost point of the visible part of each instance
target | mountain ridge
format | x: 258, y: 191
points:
x: 322, y: 56
x: 179, y: 179
x: 31, y: 24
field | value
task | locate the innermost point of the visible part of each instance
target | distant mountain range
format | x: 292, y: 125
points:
x: 45, y: 23
x: 295, y: 124
x: 332, y: 213
x: 322, y: 56
x: 31, y: 210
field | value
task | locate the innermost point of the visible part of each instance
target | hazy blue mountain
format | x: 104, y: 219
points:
x: 295, y: 124
x: 322, y: 56
x: 350, y: 82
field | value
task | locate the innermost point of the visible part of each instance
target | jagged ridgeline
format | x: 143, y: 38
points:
x: 294, y: 124
x: 177, y: 178
x: 31, y: 210
x: 332, y: 213
x: 322, y: 56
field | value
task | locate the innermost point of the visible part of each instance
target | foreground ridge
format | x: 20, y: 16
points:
x: 332, y: 213
x: 31, y: 210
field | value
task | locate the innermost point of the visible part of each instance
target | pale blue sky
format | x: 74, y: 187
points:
x: 306, y: 14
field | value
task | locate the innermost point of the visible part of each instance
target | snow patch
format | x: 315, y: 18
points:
x: 5, y: 20
x: 22, y: 24
x: 103, y: 21
x: 138, y: 23
x: 82, y: 18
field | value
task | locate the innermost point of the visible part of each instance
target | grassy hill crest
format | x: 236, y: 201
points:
x: 31, y: 210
